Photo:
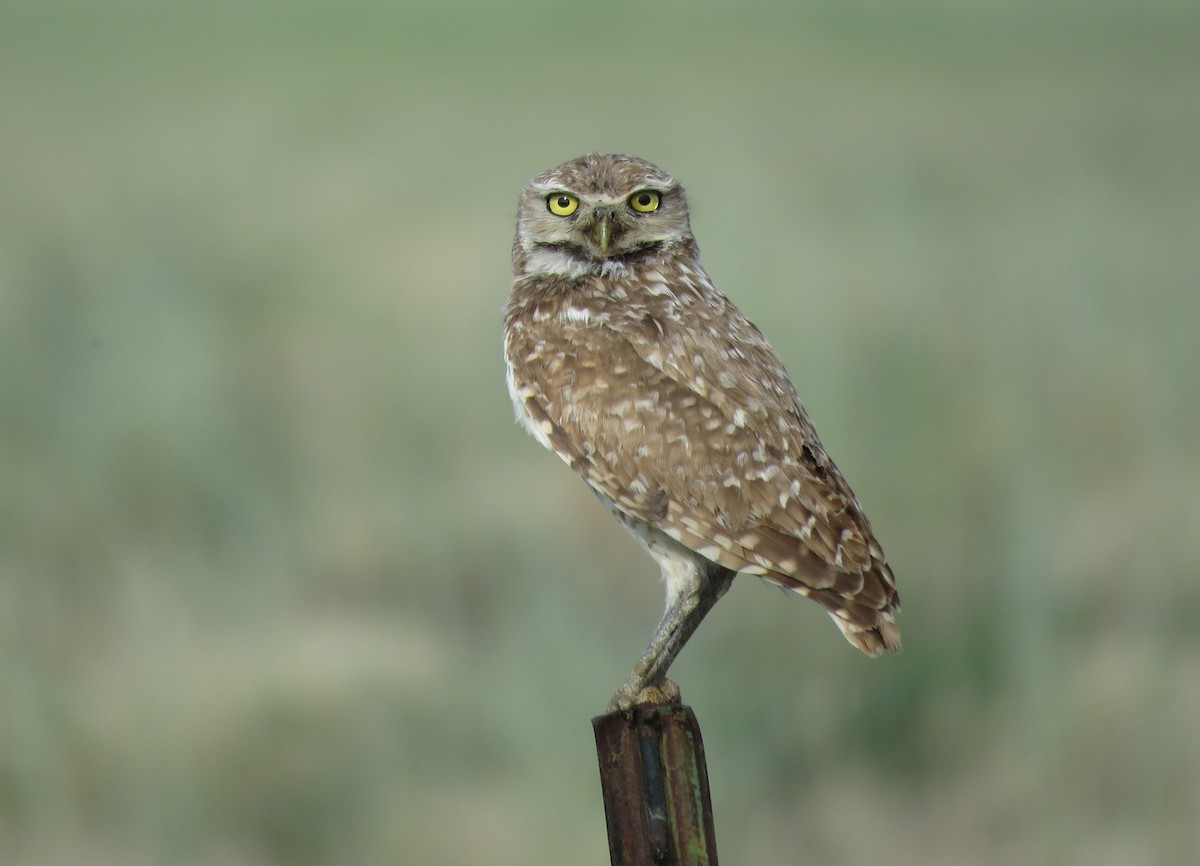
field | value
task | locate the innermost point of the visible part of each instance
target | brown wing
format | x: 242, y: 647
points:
x: 699, y: 433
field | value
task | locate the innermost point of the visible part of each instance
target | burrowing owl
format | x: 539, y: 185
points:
x: 626, y: 361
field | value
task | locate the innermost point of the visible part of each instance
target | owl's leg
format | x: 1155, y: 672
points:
x: 687, y: 605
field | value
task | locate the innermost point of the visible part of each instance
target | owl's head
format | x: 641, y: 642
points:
x: 598, y: 208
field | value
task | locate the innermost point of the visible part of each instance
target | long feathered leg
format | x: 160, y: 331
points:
x: 685, y: 611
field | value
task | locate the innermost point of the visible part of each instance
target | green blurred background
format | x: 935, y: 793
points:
x: 282, y: 583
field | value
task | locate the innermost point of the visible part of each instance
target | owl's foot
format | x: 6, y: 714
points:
x: 648, y: 683
x: 662, y: 693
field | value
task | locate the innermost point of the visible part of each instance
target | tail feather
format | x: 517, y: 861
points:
x: 875, y: 640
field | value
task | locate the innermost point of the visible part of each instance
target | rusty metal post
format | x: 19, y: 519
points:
x: 655, y: 785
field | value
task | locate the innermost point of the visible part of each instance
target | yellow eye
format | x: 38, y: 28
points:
x: 561, y: 204
x: 646, y: 201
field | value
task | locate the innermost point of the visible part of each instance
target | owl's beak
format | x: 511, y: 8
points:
x: 603, y: 234
x: 604, y: 229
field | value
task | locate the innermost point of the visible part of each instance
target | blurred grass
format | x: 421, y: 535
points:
x: 280, y: 582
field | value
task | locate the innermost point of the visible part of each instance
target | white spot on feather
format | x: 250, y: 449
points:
x: 613, y: 269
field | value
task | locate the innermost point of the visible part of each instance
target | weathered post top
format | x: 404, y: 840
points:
x: 655, y: 784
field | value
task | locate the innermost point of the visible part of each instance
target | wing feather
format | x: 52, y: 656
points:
x: 697, y: 431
